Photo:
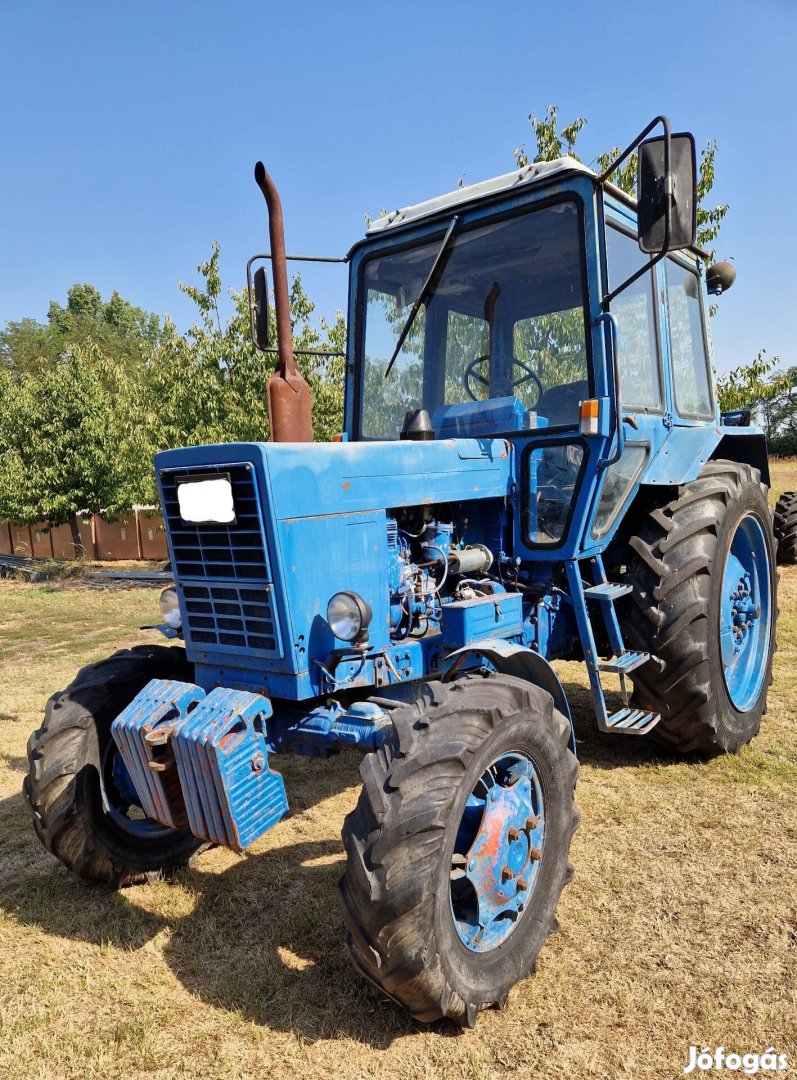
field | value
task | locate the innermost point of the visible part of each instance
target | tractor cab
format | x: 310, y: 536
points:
x: 523, y: 308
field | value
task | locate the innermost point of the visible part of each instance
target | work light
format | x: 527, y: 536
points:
x: 349, y: 616
x: 170, y: 609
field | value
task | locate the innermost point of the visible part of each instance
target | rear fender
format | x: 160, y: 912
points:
x: 516, y: 660
x: 687, y: 449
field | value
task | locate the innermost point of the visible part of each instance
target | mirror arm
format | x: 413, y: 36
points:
x: 253, y: 302
x: 665, y: 123
x: 668, y: 200
x: 642, y: 270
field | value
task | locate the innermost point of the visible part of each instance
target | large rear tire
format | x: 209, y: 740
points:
x: 81, y: 798
x: 458, y: 847
x: 785, y: 528
x: 711, y: 635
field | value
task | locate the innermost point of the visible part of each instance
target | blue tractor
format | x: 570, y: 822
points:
x: 533, y: 468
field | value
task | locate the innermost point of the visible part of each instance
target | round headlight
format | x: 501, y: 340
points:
x: 170, y: 609
x: 348, y: 615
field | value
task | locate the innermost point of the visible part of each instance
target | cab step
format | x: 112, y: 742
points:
x: 607, y: 591
x: 632, y: 721
x: 625, y: 662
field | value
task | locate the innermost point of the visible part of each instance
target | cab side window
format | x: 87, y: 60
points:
x: 688, y: 343
x: 633, y: 310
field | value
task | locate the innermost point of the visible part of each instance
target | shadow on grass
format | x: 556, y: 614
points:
x: 610, y: 751
x: 265, y: 938
x: 15, y: 762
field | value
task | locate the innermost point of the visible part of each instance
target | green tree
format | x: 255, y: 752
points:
x: 122, y: 331
x: 753, y: 386
x: 777, y: 413
x: 64, y: 440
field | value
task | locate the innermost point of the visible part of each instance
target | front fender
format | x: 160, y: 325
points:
x: 516, y: 660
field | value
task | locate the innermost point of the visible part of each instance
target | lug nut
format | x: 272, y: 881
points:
x: 522, y: 885
x: 535, y: 854
x: 513, y: 835
x: 507, y: 874
x: 531, y: 824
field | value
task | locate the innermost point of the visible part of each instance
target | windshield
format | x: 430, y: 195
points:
x: 505, y: 321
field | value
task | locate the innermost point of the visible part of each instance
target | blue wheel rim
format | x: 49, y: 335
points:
x: 746, y: 613
x: 120, y: 800
x: 498, y: 852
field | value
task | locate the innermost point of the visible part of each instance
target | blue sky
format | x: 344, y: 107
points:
x: 130, y: 131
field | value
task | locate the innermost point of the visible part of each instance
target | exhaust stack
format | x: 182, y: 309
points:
x: 289, y: 404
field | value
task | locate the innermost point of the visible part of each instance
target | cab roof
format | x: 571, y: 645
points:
x: 534, y: 173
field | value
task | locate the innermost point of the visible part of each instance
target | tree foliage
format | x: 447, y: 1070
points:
x: 64, y: 446
x: 120, y: 329
x: 771, y: 395
x: 90, y: 396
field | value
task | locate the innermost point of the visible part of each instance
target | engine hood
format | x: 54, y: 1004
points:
x: 311, y: 479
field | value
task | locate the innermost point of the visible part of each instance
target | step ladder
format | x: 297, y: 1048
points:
x: 588, y: 600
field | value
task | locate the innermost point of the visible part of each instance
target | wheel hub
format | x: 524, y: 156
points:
x: 744, y: 610
x: 498, y: 852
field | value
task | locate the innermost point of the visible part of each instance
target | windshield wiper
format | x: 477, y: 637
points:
x: 426, y: 293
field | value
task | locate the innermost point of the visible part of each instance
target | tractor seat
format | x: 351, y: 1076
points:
x: 559, y: 404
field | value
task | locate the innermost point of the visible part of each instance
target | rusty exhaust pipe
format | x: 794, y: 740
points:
x: 290, y: 414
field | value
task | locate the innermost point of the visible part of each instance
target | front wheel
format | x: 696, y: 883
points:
x: 458, y: 847
x: 85, y: 808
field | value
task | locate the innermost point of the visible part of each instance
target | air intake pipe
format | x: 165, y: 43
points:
x: 289, y: 404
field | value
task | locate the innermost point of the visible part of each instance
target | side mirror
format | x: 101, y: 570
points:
x: 667, y: 201
x: 259, y: 310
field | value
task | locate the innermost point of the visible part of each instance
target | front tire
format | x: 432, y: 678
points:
x: 711, y: 636
x: 439, y: 918
x: 82, y: 802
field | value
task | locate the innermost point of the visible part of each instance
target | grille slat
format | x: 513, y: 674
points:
x: 224, y: 571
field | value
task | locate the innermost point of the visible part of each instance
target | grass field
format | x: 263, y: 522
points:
x: 680, y: 927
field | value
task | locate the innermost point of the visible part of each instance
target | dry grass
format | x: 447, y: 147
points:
x: 680, y: 927
x: 783, y: 477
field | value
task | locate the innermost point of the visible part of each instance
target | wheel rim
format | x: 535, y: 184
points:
x: 746, y: 613
x: 498, y: 852
x: 120, y: 800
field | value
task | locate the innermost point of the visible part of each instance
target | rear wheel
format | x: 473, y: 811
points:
x: 85, y: 808
x: 458, y: 847
x: 785, y: 527
x: 704, y: 606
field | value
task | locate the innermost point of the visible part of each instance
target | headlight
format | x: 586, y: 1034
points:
x: 348, y: 616
x: 170, y: 609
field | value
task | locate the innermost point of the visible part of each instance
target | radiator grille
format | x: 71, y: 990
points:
x: 223, y: 571
x: 234, y: 552
x: 233, y: 616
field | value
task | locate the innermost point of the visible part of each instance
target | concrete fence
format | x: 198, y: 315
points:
x: 136, y: 534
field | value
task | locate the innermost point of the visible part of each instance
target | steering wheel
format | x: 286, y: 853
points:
x: 512, y: 384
